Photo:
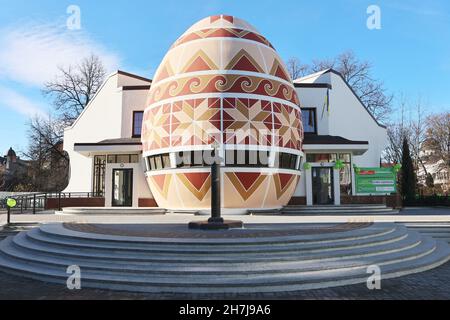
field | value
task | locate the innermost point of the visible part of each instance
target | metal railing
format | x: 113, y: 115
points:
x: 36, y: 202
x: 429, y: 201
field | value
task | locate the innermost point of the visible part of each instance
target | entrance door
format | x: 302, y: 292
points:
x: 322, y: 185
x: 122, y: 188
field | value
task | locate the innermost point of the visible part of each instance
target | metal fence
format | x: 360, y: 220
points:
x: 36, y: 202
x: 428, y: 201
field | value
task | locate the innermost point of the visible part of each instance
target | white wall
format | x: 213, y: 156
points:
x: 315, y: 98
x: 132, y: 101
x: 99, y: 121
x: 108, y: 116
x: 347, y: 118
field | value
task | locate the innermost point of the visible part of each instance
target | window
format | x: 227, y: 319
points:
x: 345, y: 175
x: 286, y: 161
x: 159, y: 162
x: 247, y: 158
x: 195, y: 158
x: 138, y: 116
x: 99, y: 176
x: 309, y: 119
x: 123, y: 158
x: 321, y: 157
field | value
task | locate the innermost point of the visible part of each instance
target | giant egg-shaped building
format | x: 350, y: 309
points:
x: 222, y: 85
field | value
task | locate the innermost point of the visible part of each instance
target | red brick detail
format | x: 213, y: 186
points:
x: 147, y: 203
x: 297, y: 201
x: 391, y: 201
x: 53, y: 203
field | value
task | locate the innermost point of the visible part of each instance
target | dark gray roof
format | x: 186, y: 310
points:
x: 325, y: 139
x: 114, y: 142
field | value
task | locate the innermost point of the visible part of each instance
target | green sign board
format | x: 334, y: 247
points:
x: 375, y: 181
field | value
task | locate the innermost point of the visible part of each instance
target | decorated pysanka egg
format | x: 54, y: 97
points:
x: 222, y: 85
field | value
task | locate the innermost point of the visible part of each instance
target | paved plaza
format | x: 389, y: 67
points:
x: 433, y: 284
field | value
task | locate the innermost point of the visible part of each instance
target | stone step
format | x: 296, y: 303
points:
x: 69, y: 249
x: 220, y: 284
x: 304, y: 262
x: 58, y: 232
x: 338, y: 238
x: 436, y: 230
x: 312, y: 210
x: 23, y: 243
x: 15, y: 228
x: 310, y: 261
x: 340, y: 207
x: 41, y: 242
x: 331, y: 212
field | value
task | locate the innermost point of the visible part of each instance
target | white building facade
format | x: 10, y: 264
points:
x: 105, y: 148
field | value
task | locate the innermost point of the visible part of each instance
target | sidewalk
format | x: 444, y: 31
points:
x: 410, y: 215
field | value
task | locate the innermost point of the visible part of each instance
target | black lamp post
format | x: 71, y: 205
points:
x: 216, y: 214
x: 216, y: 222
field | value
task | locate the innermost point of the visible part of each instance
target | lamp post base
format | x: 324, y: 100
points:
x: 216, y: 224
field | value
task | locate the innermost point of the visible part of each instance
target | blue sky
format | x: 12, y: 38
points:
x: 411, y: 52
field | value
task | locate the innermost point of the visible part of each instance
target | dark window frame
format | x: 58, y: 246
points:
x: 99, y: 174
x: 315, y: 120
x: 129, y: 170
x: 159, y: 162
x: 134, y: 135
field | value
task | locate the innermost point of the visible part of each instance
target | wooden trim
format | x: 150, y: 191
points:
x: 135, y: 88
x: 313, y: 85
x: 133, y: 76
x: 108, y: 144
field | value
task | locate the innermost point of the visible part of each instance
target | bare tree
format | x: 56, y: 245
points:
x: 417, y: 137
x: 75, y: 86
x: 438, y: 138
x: 296, y: 69
x: 49, y: 162
x: 396, y: 132
x: 358, y: 74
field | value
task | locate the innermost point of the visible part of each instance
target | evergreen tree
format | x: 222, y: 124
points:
x: 408, y: 181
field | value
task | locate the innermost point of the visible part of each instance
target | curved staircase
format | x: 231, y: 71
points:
x: 328, y: 210
x: 220, y: 265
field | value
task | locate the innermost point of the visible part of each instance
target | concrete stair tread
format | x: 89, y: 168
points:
x: 437, y: 257
x: 328, y: 260
x: 337, y: 208
x: 397, y: 251
x: 57, y: 230
x: 27, y: 240
x: 383, y: 235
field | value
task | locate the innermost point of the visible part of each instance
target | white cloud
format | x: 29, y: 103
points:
x: 31, y: 53
x: 19, y: 103
x: 419, y: 9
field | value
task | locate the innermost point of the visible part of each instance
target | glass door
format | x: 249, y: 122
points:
x: 322, y: 185
x: 122, y: 188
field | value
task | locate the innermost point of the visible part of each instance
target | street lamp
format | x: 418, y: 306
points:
x: 216, y: 222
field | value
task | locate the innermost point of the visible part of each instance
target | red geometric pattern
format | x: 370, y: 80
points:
x: 195, y: 122
x: 222, y: 82
x: 229, y: 83
x: 288, y: 126
x: 222, y: 33
x: 247, y: 121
